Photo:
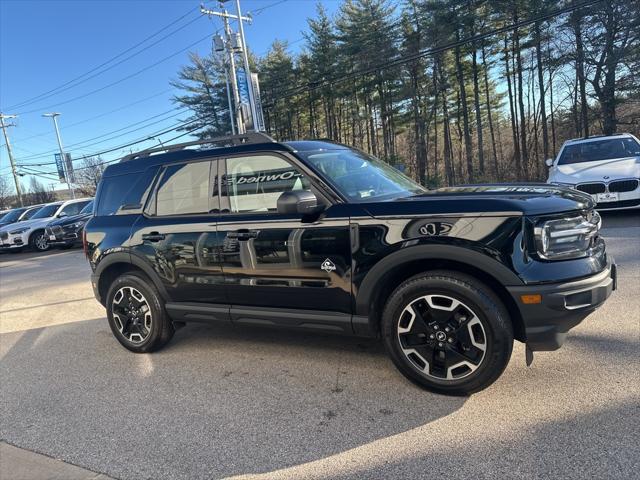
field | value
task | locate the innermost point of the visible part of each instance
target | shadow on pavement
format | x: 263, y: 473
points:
x: 216, y: 402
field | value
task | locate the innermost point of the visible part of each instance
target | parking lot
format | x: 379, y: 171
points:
x: 254, y: 403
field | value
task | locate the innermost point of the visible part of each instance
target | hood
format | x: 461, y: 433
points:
x: 597, y: 171
x: 31, y: 224
x: 488, y: 199
x: 72, y: 219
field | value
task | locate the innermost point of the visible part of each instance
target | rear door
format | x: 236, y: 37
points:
x: 177, y: 233
x: 276, y: 260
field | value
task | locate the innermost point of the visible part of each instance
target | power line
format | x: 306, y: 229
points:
x: 46, y: 94
x: 122, y: 79
x: 80, y: 122
x: 77, y: 144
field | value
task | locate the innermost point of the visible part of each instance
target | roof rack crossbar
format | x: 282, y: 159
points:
x: 230, y: 140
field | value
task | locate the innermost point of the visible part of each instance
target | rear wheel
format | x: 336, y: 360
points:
x: 447, y: 332
x: 39, y: 241
x: 136, y: 314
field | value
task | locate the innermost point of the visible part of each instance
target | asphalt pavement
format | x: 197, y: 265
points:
x: 257, y: 403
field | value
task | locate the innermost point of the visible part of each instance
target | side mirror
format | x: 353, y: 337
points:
x: 549, y: 162
x: 62, y: 215
x: 303, y: 202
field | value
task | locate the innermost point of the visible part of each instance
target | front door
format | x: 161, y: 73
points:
x: 270, y: 259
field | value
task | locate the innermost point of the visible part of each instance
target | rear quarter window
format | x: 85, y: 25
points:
x: 127, y: 191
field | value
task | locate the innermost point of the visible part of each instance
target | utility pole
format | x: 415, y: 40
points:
x: 247, y: 70
x: 10, y: 153
x: 232, y: 45
x: 63, y: 159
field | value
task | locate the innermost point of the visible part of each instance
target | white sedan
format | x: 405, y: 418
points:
x: 606, y: 167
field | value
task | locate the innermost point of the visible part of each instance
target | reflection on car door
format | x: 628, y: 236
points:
x: 178, y: 237
x: 278, y: 260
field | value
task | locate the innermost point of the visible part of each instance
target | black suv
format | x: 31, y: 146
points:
x: 319, y: 236
x: 67, y: 231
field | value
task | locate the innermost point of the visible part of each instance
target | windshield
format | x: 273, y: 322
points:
x: 360, y: 177
x: 47, y: 211
x: 12, y: 216
x: 599, y: 150
x: 88, y: 208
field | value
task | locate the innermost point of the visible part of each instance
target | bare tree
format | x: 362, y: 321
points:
x: 6, y: 193
x: 38, y: 193
x: 88, y: 175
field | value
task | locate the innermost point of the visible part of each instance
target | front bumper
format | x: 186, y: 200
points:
x: 13, y: 241
x: 562, y: 306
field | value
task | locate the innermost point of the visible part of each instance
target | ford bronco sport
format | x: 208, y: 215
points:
x: 319, y: 236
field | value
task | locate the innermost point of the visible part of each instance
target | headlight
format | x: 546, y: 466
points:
x: 18, y: 231
x: 77, y: 225
x: 565, y: 238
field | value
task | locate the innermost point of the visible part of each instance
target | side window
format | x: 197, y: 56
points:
x: 184, y: 189
x: 73, y: 208
x: 253, y: 184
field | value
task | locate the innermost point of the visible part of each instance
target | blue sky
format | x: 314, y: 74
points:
x: 45, y: 44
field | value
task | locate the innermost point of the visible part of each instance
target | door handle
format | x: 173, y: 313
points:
x: 243, y: 234
x: 153, y: 237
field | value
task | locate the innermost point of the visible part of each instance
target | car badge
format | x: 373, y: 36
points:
x: 328, y: 266
x: 606, y: 177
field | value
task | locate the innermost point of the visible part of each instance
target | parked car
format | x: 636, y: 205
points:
x: 31, y: 233
x: 18, y: 215
x: 66, y: 232
x: 318, y: 236
x: 605, y: 167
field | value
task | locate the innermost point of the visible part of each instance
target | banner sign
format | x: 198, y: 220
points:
x: 60, y: 167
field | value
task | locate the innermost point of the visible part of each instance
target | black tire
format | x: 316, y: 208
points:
x: 38, y: 241
x: 422, y: 292
x: 161, y: 328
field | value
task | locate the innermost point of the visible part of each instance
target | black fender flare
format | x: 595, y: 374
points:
x: 110, y: 259
x: 368, y: 289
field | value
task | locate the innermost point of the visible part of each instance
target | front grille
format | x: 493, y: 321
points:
x: 4, y: 235
x: 623, y: 185
x: 619, y: 204
x: 591, y: 188
x: 56, y: 229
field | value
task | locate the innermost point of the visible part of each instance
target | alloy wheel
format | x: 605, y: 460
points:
x: 41, y: 242
x: 132, y: 314
x: 442, y: 337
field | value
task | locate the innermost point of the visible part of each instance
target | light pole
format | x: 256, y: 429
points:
x: 63, y: 159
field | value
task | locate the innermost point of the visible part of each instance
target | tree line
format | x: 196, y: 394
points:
x: 452, y: 91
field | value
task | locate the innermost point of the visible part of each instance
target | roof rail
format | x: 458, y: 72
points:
x: 617, y: 134
x: 221, y: 142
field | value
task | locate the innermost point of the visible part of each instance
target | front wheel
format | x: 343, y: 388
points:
x: 39, y: 241
x: 447, y: 332
x: 136, y: 314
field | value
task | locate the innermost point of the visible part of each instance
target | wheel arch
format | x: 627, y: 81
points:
x: 120, y: 263
x: 394, y: 269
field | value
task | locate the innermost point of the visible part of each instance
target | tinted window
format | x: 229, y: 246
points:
x: 13, y: 215
x: 184, y: 189
x: 88, y: 208
x: 599, y: 150
x: 74, y: 208
x: 124, y: 191
x: 47, y: 211
x: 30, y: 213
x: 112, y: 192
x: 254, y: 184
x: 361, y: 177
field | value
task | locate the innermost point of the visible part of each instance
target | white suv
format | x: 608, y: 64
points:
x: 606, y: 167
x: 32, y: 232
